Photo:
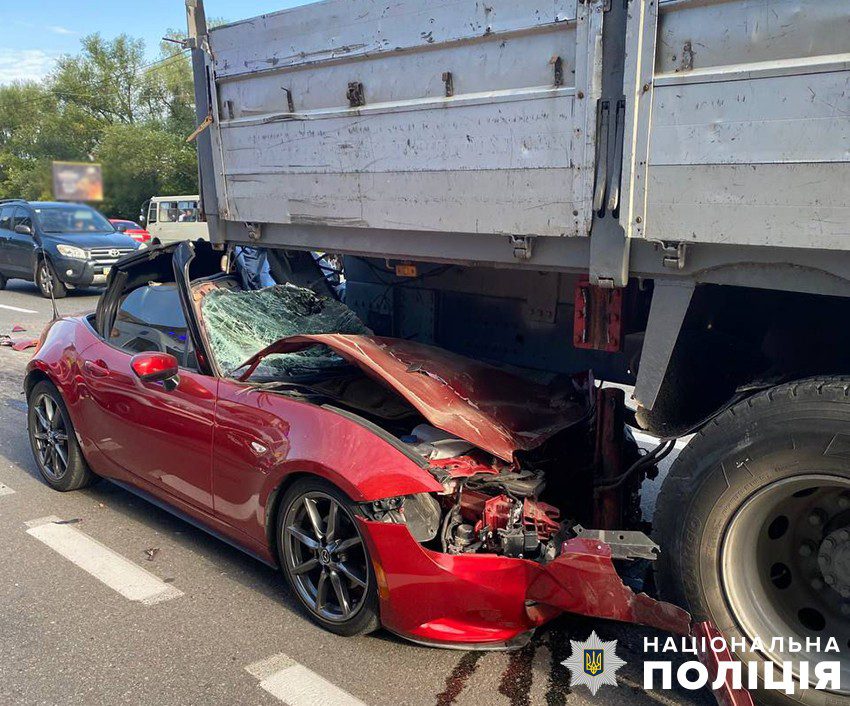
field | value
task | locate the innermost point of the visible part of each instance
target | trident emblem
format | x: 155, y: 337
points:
x: 593, y: 662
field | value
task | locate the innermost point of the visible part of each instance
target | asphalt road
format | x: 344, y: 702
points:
x: 228, y: 632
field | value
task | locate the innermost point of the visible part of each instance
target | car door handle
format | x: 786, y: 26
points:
x: 96, y: 368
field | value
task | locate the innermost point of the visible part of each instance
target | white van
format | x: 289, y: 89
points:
x: 171, y: 218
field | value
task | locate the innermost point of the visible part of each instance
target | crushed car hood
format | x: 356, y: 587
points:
x: 492, y: 408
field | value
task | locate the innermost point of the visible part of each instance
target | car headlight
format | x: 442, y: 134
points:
x: 72, y: 251
x: 141, y: 246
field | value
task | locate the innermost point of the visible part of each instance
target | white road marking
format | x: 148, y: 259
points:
x: 17, y: 308
x: 296, y: 685
x: 120, y: 574
x: 5, y: 490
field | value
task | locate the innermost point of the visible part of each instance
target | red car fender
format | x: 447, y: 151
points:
x: 264, y: 438
x: 57, y: 357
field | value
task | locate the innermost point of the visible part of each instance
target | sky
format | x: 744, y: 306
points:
x: 36, y: 32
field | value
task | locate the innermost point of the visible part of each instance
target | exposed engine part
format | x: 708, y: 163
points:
x: 540, y: 519
x: 435, y: 444
x: 464, y: 535
x: 497, y: 513
x: 524, y: 483
x: 519, y: 543
x: 521, y: 527
x: 625, y: 544
x: 421, y: 513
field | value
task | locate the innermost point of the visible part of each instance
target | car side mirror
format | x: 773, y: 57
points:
x: 121, y: 227
x: 23, y: 230
x: 142, y: 219
x: 156, y: 367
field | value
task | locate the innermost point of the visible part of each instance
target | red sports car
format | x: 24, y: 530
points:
x: 133, y: 229
x: 393, y: 483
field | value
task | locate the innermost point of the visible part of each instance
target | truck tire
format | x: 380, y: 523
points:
x: 754, y: 525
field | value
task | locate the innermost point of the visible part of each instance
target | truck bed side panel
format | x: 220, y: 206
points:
x: 750, y: 127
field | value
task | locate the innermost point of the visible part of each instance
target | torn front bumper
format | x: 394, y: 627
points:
x: 490, y: 602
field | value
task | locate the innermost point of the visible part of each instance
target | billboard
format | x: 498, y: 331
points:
x: 77, y: 181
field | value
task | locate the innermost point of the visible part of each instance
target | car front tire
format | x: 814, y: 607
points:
x: 53, y: 440
x: 45, y: 279
x: 324, y: 558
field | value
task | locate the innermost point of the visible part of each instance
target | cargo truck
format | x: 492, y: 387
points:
x: 657, y: 191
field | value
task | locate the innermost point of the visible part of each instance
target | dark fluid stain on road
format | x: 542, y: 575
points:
x: 456, y: 681
x: 516, y: 679
x: 558, y: 687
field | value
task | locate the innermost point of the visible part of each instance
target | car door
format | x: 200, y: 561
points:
x: 6, y: 215
x: 164, y: 437
x: 20, y: 246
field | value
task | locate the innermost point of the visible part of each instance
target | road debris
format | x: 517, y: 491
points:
x: 151, y: 553
x: 18, y: 343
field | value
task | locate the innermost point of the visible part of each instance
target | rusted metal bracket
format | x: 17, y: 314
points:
x: 255, y: 231
x: 290, y: 104
x: 558, y: 64
x: 355, y: 94
x: 449, y: 80
x: 608, y: 457
x: 598, y: 317
x: 198, y: 130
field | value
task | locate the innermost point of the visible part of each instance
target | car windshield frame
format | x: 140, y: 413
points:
x: 103, y: 226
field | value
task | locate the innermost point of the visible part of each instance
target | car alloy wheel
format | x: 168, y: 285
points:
x: 325, y: 557
x: 53, y: 440
x: 45, y: 278
x: 51, y: 437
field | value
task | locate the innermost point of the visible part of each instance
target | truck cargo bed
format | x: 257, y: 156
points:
x: 405, y: 127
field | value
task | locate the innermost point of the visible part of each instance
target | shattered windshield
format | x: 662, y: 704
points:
x: 242, y: 323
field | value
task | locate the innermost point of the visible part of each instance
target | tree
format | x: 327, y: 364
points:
x: 106, y: 104
x: 35, y: 129
x: 168, y: 89
x: 105, y: 79
x: 140, y: 161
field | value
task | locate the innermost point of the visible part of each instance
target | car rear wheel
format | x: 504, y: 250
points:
x: 754, y: 521
x: 46, y: 280
x: 54, y: 443
x: 324, y: 558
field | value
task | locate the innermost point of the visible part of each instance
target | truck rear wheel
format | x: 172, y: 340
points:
x: 754, y: 525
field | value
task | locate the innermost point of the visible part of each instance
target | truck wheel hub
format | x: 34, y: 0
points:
x: 834, y: 561
x: 785, y: 560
